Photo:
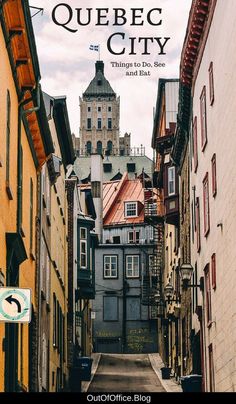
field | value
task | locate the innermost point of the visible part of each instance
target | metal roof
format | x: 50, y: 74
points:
x: 115, y: 194
x: 99, y: 86
x: 82, y: 166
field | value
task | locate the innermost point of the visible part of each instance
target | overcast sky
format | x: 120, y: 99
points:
x: 67, y: 64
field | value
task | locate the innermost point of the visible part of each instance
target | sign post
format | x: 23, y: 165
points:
x: 15, y: 305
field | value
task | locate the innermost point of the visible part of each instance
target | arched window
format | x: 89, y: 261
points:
x: 109, y: 147
x: 99, y: 147
x: 89, y: 147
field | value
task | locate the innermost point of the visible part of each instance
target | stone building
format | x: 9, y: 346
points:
x: 99, y: 116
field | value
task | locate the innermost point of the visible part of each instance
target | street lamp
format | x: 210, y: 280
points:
x: 169, y: 292
x: 157, y: 297
x: 186, y: 273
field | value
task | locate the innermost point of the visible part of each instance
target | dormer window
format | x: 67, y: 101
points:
x: 131, y: 209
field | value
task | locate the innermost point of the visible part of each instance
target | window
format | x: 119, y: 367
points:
x: 195, y: 149
x: 54, y: 319
x: 131, y: 167
x: 109, y: 147
x: 107, y: 167
x: 198, y: 229
x: 110, y: 308
x: 83, y: 248
x: 195, y: 290
x: 116, y: 239
x: 99, y: 147
x: 211, y: 368
x: 8, y: 134
x: 133, y: 308
x: 132, y: 266
x: 171, y: 181
x: 211, y: 84
x: 110, y: 269
x: 131, y: 209
x: 89, y: 109
x: 109, y: 109
x: 109, y: 123
x: 89, y: 147
x: 206, y: 205
x: 213, y: 271
x: 208, y: 295
x: 133, y: 237
x: 203, y: 118
x: 99, y: 109
x: 99, y: 126
x: 89, y: 123
x: 213, y: 171
x: 182, y: 200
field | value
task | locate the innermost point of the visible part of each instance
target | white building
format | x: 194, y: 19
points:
x: 208, y: 68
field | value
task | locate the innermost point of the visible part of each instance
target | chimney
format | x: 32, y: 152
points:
x: 99, y: 66
x: 97, y: 191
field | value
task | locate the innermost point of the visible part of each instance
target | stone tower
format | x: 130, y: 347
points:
x: 99, y: 116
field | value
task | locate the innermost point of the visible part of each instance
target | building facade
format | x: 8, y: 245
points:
x: 27, y: 144
x: 124, y: 320
x: 210, y: 78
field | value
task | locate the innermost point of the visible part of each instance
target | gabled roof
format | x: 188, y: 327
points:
x: 115, y: 194
x: 99, y: 86
x: 61, y: 118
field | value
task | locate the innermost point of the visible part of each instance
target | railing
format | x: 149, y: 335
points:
x: 130, y: 151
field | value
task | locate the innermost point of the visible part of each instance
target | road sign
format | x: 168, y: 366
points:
x: 15, y: 305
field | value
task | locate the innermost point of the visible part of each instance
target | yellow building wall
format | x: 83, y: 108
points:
x: 7, y: 207
x: 59, y: 255
x: 27, y: 269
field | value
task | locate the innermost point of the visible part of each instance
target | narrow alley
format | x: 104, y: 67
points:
x: 125, y: 373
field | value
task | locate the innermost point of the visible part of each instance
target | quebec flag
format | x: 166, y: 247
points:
x: 94, y: 47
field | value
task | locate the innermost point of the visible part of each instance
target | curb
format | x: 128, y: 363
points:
x: 174, y: 387
x: 96, y: 360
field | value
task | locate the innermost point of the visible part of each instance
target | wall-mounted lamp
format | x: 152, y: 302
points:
x: 169, y: 294
x: 186, y: 272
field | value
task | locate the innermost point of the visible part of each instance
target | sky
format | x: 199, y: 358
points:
x: 67, y: 64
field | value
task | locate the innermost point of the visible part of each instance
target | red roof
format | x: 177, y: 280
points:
x: 115, y: 194
x: 114, y: 198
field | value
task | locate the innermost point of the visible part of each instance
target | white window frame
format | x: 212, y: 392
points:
x: 83, y: 241
x: 127, y: 208
x: 130, y: 270
x: 171, y: 180
x: 132, y: 237
x: 107, y: 259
